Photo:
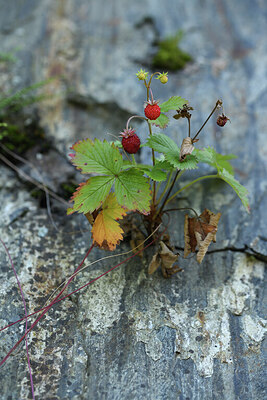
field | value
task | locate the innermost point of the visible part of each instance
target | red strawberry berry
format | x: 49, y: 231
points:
x: 130, y: 141
x: 152, y: 111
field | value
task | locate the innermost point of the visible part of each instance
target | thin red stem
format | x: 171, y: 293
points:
x: 46, y: 308
x: 77, y: 290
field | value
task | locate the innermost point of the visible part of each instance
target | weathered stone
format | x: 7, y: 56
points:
x: 199, y: 334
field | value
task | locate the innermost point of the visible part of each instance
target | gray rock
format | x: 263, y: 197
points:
x: 199, y: 334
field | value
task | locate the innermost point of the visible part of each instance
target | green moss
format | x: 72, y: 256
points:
x: 19, y: 138
x: 169, y: 55
x: 7, y: 57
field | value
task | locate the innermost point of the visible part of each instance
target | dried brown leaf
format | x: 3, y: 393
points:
x: 199, y: 233
x: 154, y: 264
x: 168, y: 258
x: 186, y: 148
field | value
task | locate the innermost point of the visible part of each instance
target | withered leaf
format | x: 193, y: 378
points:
x: 166, y: 258
x: 106, y: 231
x: 154, y: 264
x: 187, y: 148
x: 137, y: 239
x: 199, y: 233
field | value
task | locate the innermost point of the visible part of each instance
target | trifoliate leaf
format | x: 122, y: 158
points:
x: 173, y: 103
x: 240, y: 190
x: 133, y: 191
x: 96, y: 157
x: 106, y: 231
x: 90, y: 195
x: 209, y: 156
x: 161, y: 122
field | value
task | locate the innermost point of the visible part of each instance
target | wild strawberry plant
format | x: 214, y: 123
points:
x: 120, y: 185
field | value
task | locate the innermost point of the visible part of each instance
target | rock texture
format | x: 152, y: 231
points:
x: 198, y: 335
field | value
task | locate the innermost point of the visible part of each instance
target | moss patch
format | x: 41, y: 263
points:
x: 169, y: 55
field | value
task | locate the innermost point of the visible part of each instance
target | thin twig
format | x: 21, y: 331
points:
x: 218, y: 104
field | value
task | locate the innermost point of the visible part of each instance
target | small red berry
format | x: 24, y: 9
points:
x: 152, y: 111
x: 222, y: 119
x: 130, y: 141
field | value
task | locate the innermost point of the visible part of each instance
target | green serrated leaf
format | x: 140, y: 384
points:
x: 97, y: 157
x: 162, y: 143
x: 206, y: 155
x: 222, y: 161
x: 240, y: 190
x: 117, y: 143
x: 133, y: 191
x: 173, y: 103
x: 156, y: 174
x: 91, y: 194
x: 161, y: 122
x: 164, y: 164
x: 127, y: 164
x: 209, y: 156
x: 190, y: 161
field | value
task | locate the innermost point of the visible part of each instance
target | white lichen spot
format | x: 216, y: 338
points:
x: 254, y: 329
x: 42, y: 231
x: 100, y: 304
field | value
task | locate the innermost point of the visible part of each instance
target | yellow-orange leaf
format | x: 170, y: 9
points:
x: 106, y: 231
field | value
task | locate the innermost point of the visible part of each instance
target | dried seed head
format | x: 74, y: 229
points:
x: 222, y: 119
x: 183, y: 112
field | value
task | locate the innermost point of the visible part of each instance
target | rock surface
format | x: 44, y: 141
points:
x: 198, y: 335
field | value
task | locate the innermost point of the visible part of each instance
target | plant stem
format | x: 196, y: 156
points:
x: 153, y: 160
x: 169, y: 191
x: 189, y: 184
x: 166, y: 187
x: 149, y: 83
x: 218, y: 104
x: 189, y: 131
x: 153, y: 153
x: 134, y: 116
x: 134, y: 162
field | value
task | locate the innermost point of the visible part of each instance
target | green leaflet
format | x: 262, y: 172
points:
x: 209, y: 156
x: 164, y: 164
x: 156, y: 174
x: 240, y: 190
x: 97, y: 157
x: 171, y: 151
x: 162, y: 143
x: 132, y: 190
x: 91, y: 194
x: 161, y: 122
x: 173, y: 103
x: 189, y: 163
x: 222, y: 161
